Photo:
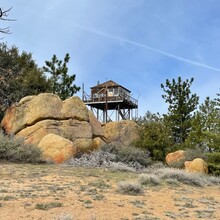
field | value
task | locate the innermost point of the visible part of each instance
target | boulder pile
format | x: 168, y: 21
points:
x: 35, y: 118
x: 63, y: 128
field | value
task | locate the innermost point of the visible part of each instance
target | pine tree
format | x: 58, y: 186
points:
x: 181, y: 106
x: 62, y: 83
x: 19, y: 77
x: 217, y: 100
x: 205, y: 131
x: 155, y: 136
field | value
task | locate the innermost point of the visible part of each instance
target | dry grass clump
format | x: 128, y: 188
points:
x: 181, y: 176
x: 47, y: 206
x: 130, y: 188
x: 64, y: 216
x: 149, y: 179
x: 172, y: 176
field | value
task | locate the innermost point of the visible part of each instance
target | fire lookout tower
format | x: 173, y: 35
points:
x: 109, y: 98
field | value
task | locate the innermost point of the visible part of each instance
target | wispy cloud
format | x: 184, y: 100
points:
x: 98, y: 32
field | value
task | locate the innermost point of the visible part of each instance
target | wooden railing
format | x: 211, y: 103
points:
x: 122, y: 96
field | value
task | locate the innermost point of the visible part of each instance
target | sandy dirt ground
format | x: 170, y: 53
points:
x: 59, y: 192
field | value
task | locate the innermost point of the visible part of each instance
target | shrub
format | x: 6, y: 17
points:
x: 181, y: 176
x: 97, y: 158
x: 16, y: 150
x: 191, y: 154
x: 155, y: 136
x: 213, y: 160
x: 214, y: 169
x: 129, y: 154
x: 149, y: 179
x: 172, y: 182
x: 47, y: 206
x: 129, y: 159
x: 130, y: 188
x: 213, y: 157
x: 118, y: 166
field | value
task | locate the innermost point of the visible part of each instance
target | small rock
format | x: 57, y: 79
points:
x: 198, y: 165
x: 176, y: 159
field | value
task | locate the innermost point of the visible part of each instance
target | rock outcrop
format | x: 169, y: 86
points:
x: 33, y: 109
x: 121, y: 132
x: 35, y: 117
x: 198, y: 165
x: 176, y: 159
x: 56, y: 148
x: 63, y: 128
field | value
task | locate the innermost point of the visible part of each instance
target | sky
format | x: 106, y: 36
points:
x: 136, y: 43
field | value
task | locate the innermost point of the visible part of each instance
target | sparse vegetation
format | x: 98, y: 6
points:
x: 64, y: 216
x: 47, y: 206
x: 172, y: 175
x: 13, y: 149
x: 79, y: 193
x: 130, y: 188
x: 149, y: 179
x: 121, y: 158
x: 129, y: 155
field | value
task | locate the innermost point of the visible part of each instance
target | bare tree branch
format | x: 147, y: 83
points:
x: 3, y: 17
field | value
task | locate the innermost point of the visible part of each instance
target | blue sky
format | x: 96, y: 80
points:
x: 136, y: 43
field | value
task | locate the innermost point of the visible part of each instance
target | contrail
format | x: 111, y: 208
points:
x: 147, y: 47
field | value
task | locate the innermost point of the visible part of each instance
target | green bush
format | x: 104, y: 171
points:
x: 213, y: 157
x: 127, y: 154
x: 155, y: 136
x: 214, y: 169
x: 13, y: 149
x: 213, y: 160
x: 191, y: 154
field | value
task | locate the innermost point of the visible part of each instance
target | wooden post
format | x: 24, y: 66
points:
x: 106, y: 104
x: 83, y: 91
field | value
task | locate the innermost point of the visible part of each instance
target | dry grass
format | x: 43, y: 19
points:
x: 56, y: 192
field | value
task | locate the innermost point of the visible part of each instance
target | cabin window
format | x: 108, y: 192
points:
x: 110, y: 90
x: 116, y: 92
x: 95, y: 95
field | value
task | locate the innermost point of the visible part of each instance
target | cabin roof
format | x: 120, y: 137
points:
x: 109, y: 83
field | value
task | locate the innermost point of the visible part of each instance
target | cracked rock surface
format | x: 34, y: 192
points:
x: 35, y: 117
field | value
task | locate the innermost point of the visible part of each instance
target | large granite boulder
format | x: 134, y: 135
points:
x: 56, y: 148
x: 176, y: 159
x: 121, y: 132
x: 34, y: 117
x: 71, y: 129
x: 33, y: 109
x: 97, y: 129
x: 198, y: 165
x: 62, y: 128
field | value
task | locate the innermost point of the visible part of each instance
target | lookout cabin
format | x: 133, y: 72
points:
x: 108, y: 98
